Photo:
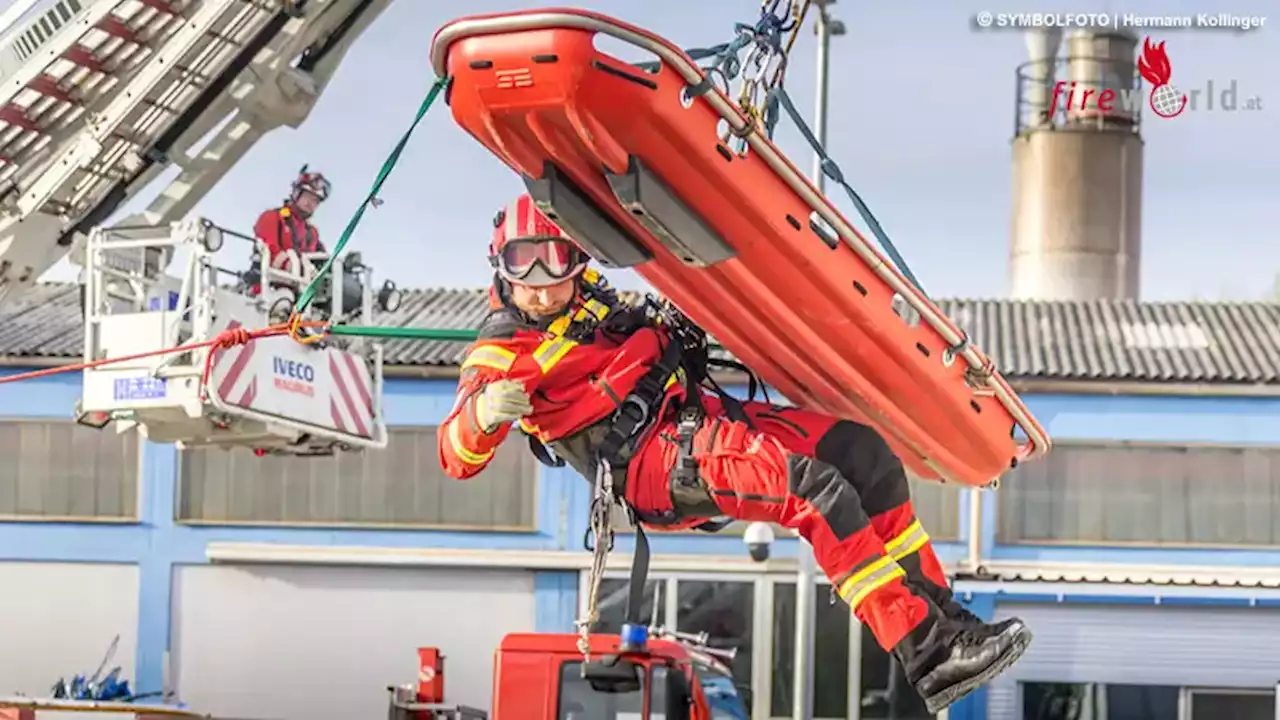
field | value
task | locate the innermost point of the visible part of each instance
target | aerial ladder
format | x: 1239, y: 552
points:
x: 97, y: 99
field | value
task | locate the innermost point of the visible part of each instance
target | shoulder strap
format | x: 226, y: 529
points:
x: 500, y: 324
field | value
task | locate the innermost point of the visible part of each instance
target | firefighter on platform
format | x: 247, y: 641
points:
x: 287, y: 230
x: 596, y: 380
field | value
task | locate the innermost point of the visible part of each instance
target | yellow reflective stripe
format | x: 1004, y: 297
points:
x: 551, y: 352
x: 463, y: 453
x: 673, y: 378
x: 855, y: 588
x: 560, y: 325
x: 596, y: 308
x: 527, y: 426
x: 591, y: 275
x: 490, y: 356
x: 907, y: 542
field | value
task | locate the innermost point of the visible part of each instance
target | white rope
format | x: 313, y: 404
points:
x: 602, y: 504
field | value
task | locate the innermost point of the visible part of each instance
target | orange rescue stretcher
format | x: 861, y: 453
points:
x: 630, y: 163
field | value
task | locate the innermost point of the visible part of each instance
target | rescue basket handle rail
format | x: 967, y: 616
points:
x: 1037, y: 440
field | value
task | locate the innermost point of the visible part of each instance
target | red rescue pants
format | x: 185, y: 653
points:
x: 835, y: 482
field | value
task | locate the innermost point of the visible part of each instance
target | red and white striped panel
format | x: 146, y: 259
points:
x: 229, y: 377
x: 351, y: 401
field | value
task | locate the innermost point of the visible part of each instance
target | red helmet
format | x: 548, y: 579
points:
x: 312, y: 182
x: 528, y: 249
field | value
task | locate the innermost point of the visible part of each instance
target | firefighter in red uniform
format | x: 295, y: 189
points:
x: 287, y: 230
x: 594, y: 379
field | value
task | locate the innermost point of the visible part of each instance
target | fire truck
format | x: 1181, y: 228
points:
x: 541, y: 676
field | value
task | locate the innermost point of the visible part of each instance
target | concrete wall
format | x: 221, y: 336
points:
x: 160, y: 555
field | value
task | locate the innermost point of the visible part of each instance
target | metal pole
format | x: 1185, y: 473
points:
x: 806, y: 572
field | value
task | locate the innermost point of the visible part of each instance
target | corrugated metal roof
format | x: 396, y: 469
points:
x: 1117, y: 573
x: 44, y: 321
x: 1174, y: 342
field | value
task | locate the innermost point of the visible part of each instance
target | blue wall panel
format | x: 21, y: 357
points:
x: 157, y: 544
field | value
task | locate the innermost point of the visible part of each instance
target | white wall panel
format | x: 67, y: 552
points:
x: 286, y: 643
x: 58, y: 619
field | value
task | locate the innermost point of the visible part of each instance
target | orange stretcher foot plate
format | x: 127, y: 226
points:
x: 630, y: 163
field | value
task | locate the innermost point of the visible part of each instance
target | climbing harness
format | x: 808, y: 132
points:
x: 684, y: 359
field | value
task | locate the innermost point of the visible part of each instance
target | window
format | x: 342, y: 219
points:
x: 612, y: 604
x: 61, y: 470
x: 938, y: 507
x: 1135, y: 494
x: 724, y: 611
x: 830, y: 653
x: 1076, y: 701
x: 1233, y: 704
x: 578, y: 701
x: 723, y: 697
x: 401, y: 485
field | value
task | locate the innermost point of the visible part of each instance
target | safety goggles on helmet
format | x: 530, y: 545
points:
x: 539, y: 261
x: 314, y: 183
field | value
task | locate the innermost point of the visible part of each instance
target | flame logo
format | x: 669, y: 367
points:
x: 1154, y: 66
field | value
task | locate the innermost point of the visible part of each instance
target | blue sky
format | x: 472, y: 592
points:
x: 921, y: 118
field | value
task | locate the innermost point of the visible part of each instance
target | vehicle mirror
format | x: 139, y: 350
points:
x: 613, y: 675
x: 679, y: 695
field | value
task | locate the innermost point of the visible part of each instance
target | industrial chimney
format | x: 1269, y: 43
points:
x: 1077, y: 169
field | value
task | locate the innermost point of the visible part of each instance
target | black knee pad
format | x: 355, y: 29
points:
x: 829, y: 493
x: 863, y: 457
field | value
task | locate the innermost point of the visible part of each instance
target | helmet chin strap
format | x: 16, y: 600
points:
x: 296, y: 209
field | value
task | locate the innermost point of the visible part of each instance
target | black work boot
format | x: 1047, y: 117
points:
x: 942, y: 596
x: 945, y: 671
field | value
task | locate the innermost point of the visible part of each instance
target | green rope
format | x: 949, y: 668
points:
x: 405, y: 333
x: 309, y: 294
x: 413, y: 333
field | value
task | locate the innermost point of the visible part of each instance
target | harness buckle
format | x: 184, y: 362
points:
x: 685, y: 472
x: 634, y: 412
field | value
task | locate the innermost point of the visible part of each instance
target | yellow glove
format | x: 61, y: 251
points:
x: 501, y: 402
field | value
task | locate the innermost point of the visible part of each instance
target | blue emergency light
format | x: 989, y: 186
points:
x: 634, y: 637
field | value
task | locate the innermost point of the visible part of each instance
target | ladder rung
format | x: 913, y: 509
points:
x: 223, y: 38
x: 156, y: 104
x: 132, y: 139
x: 115, y: 28
x: 193, y: 77
x: 82, y: 56
x: 17, y: 117
x: 159, y: 6
x: 49, y: 87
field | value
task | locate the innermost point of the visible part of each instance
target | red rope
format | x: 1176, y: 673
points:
x: 223, y: 340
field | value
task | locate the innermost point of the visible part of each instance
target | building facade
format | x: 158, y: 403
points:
x: 1140, y: 552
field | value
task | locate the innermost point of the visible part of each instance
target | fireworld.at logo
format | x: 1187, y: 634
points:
x: 1164, y: 98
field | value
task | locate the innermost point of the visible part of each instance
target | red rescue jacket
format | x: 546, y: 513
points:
x: 282, y: 229
x: 573, y: 383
